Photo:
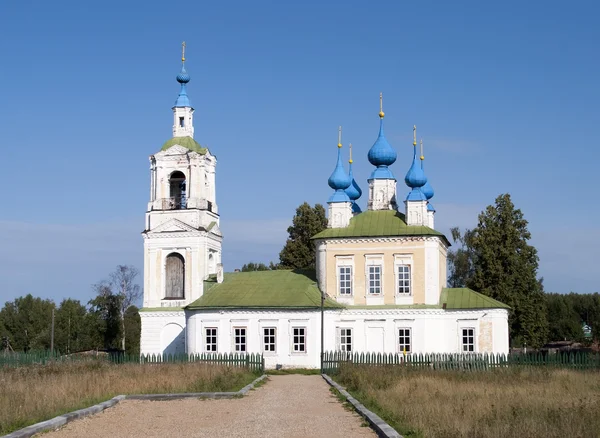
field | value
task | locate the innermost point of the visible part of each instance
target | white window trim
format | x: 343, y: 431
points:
x: 339, y: 338
x: 294, y: 352
x: 411, y: 338
x: 374, y: 260
x: 462, y: 344
x: 262, y: 334
x: 344, y: 261
x: 233, y: 344
x: 404, y: 259
x: 464, y: 324
x: 216, y: 339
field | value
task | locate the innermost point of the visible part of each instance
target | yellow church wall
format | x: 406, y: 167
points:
x: 360, y: 252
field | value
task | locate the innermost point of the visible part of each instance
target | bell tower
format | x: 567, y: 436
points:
x: 182, y: 239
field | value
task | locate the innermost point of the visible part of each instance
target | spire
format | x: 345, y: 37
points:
x: 353, y: 191
x: 426, y: 189
x: 381, y: 153
x: 339, y: 179
x: 183, y: 78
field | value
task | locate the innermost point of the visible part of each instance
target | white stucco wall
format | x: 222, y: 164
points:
x: 162, y: 332
x: 432, y: 331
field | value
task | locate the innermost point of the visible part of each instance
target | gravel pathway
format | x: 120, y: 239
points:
x: 286, y: 406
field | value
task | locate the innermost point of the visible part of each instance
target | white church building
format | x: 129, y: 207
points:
x: 381, y: 272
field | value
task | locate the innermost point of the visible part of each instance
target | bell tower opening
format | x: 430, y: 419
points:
x: 175, y: 277
x: 177, y: 190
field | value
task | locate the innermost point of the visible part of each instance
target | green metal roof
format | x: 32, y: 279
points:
x: 283, y: 289
x: 378, y: 224
x: 186, y: 142
x: 465, y: 298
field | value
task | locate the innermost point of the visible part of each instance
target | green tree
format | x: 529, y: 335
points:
x: 250, y: 267
x: 299, y: 251
x: 122, y: 284
x: 564, y: 323
x: 26, y: 322
x: 460, y: 261
x: 72, y: 332
x: 105, y: 310
x: 587, y: 307
x: 133, y: 330
x: 505, y: 268
x: 495, y: 259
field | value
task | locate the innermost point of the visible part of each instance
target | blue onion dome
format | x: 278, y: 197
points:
x: 427, y: 190
x: 415, y: 177
x: 183, y: 100
x: 339, y: 179
x: 353, y: 191
x: 381, y: 153
x: 355, y: 208
x: 183, y: 77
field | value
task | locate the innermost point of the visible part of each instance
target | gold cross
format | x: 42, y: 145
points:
x: 414, y: 135
x: 183, y: 51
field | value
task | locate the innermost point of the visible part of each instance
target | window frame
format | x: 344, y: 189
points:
x: 344, y: 262
x: 380, y: 279
x: 216, y: 339
x: 294, y: 343
x: 244, y: 336
x: 374, y: 261
x: 345, y: 338
x: 397, y: 267
x: 473, y: 339
x: 349, y: 286
x: 399, y: 344
x: 264, y: 343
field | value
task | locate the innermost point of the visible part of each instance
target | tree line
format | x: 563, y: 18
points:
x: 110, y: 320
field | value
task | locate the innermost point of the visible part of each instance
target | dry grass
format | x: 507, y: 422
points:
x: 502, y: 403
x: 36, y: 393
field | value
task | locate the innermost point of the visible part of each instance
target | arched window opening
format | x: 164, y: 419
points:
x: 175, y: 277
x: 177, y: 190
x: 212, y: 263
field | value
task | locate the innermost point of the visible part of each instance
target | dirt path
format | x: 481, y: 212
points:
x: 286, y: 406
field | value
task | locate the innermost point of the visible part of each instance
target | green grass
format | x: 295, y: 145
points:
x: 509, y: 402
x: 36, y: 393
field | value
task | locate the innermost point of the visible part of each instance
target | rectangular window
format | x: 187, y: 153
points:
x: 345, y: 339
x: 239, y: 341
x: 299, y: 341
x: 345, y: 280
x: 375, y: 279
x: 211, y: 340
x: 468, y: 340
x: 404, y: 340
x: 403, y: 279
x: 269, y: 339
x: 181, y: 122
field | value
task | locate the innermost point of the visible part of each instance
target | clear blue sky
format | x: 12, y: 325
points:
x: 504, y: 94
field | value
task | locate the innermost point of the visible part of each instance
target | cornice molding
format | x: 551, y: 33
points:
x: 173, y: 235
x: 162, y: 313
x: 344, y: 240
